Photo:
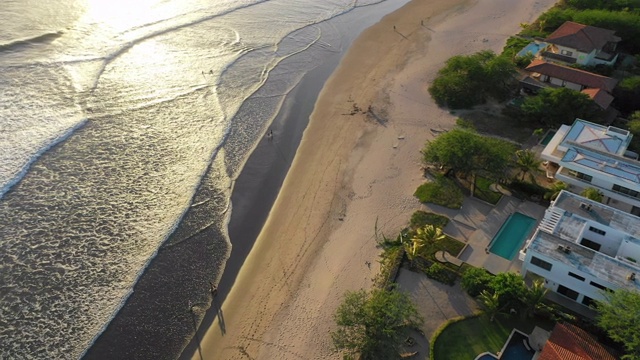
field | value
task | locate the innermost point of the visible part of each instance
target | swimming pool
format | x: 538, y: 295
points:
x: 511, y: 235
x: 515, y: 349
x: 533, y: 49
x: 547, y: 137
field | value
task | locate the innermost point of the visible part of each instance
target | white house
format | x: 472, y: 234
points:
x: 582, y: 248
x: 590, y: 155
x: 574, y: 43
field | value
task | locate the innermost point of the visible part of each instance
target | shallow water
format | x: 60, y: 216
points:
x: 111, y: 117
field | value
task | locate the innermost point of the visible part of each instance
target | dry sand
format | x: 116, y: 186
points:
x: 349, y: 171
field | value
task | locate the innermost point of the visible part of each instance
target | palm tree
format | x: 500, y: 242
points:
x: 426, y: 235
x: 554, y: 190
x: 533, y: 297
x: 491, y: 303
x: 592, y: 194
x: 527, y: 162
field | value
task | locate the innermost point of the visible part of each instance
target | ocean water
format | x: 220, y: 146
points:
x: 111, y: 114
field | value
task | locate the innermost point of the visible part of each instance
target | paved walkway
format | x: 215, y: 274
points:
x: 436, y: 302
x: 445, y: 257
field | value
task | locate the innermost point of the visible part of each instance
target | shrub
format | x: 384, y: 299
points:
x: 421, y: 218
x: 441, y: 274
x: 441, y: 191
x: 527, y: 188
x: 475, y: 280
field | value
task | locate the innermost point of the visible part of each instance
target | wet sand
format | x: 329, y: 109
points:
x: 357, y: 165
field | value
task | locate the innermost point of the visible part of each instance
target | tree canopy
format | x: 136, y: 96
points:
x: 619, y: 316
x: 374, y: 324
x: 468, y: 152
x: 627, y: 93
x: 557, y: 106
x: 606, y: 14
x: 467, y: 80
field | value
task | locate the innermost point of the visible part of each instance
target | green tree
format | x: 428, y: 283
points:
x: 592, y: 194
x: 491, y: 303
x: 619, y: 316
x: 557, y: 106
x: 533, y: 297
x: 627, y: 94
x: 466, y: 152
x: 475, y: 280
x: 555, y: 189
x: 634, y: 127
x: 527, y: 162
x: 374, y: 324
x: 510, y: 288
x: 467, y: 80
x: 426, y: 235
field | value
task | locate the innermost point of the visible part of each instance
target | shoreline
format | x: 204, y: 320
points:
x: 349, y: 171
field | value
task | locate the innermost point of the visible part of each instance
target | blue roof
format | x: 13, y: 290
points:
x: 534, y: 48
x: 595, y: 136
x: 605, y: 164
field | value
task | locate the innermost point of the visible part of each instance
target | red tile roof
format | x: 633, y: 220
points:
x: 569, y: 342
x: 576, y: 76
x: 584, y: 38
x: 600, y: 97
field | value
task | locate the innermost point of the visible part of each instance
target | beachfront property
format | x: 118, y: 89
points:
x: 582, y: 248
x: 574, y: 43
x: 545, y: 74
x: 590, y: 155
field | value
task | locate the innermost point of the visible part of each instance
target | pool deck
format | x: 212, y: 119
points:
x: 477, y: 222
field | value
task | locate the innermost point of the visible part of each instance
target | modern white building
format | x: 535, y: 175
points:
x: 590, y: 155
x: 582, y: 248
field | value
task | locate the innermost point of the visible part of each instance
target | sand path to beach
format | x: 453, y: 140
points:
x: 349, y: 172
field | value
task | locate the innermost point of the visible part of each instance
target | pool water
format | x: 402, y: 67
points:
x: 515, y: 349
x: 547, y: 137
x: 511, y: 235
x: 533, y: 48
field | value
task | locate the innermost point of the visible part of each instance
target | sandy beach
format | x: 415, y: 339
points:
x: 353, y: 169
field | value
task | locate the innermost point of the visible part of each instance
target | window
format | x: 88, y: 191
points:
x: 576, y: 276
x: 541, y: 263
x: 597, y: 231
x: 590, y: 244
x: 581, y: 176
x: 601, y: 287
x: 588, y: 301
x: 571, y: 294
x: 625, y: 191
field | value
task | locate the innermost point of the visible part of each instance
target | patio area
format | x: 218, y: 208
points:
x: 476, y: 224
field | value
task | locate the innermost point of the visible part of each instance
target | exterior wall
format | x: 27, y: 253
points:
x: 596, y: 61
x: 560, y: 82
x: 604, y: 184
x: 581, y: 57
x: 559, y: 275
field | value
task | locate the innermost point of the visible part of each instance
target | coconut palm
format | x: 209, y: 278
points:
x: 426, y: 235
x: 555, y: 189
x: 491, y: 303
x: 592, y: 194
x: 527, y: 162
x: 533, y: 297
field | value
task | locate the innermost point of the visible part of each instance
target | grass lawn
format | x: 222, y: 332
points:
x: 464, y: 340
x: 483, y: 192
x: 441, y: 191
